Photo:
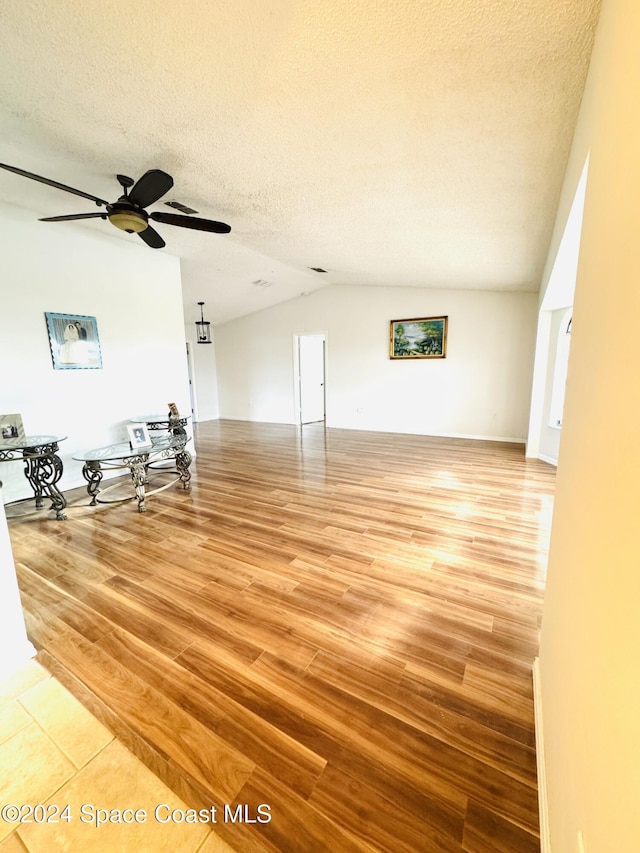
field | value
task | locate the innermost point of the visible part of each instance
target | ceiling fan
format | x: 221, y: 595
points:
x: 128, y: 213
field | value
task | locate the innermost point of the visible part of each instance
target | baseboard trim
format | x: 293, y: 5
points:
x: 543, y: 802
x: 332, y: 423
x: 548, y: 459
x: 504, y: 439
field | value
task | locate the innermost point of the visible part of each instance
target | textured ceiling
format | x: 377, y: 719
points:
x: 391, y: 142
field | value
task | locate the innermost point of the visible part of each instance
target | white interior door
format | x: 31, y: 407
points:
x: 312, y: 373
x: 192, y: 392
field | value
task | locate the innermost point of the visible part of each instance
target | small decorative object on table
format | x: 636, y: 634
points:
x: 138, y: 436
x: 11, y: 426
x: 176, y: 422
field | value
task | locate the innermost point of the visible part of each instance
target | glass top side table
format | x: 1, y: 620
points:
x: 43, y: 467
x: 159, y: 422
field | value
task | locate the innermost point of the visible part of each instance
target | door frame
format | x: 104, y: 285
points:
x: 297, y: 402
x: 193, y: 398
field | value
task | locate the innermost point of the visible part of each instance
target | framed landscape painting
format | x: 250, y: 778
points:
x: 74, y: 341
x: 421, y: 337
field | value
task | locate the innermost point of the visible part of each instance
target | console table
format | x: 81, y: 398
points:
x: 137, y: 460
x: 43, y: 466
x: 176, y: 426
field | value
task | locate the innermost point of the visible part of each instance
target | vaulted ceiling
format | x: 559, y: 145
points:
x: 390, y: 142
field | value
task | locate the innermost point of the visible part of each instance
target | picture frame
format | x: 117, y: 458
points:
x: 138, y: 436
x: 11, y: 427
x: 419, y: 337
x: 74, y: 341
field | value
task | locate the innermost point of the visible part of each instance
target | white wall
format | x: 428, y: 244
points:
x: 205, y: 378
x: 557, y: 290
x: 590, y: 638
x: 15, y: 648
x: 135, y: 294
x: 481, y: 389
x: 550, y: 435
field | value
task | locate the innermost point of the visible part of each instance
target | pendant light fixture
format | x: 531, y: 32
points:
x: 203, y: 327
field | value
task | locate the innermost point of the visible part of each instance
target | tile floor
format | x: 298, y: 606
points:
x: 54, y: 753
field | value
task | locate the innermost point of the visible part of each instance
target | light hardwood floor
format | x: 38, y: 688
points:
x: 340, y: 625
x: 55, y: 758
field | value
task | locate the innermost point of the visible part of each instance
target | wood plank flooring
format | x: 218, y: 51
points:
x: 340, y: 625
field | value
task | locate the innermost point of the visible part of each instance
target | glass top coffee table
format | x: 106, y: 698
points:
x: 137, y: 460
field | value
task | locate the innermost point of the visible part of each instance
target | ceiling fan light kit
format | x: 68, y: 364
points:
x: 128, y: 213
x: 128, y: 220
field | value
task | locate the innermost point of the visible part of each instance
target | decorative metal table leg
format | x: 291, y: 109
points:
x: 183, y: 460
x: 139, y: 478
x: 43, y: 472
x: 31, y: 472
x: 92, y: 473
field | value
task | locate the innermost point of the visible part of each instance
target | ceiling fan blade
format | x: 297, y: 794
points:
x: 191, y: 222
x: 151, y: 238
x: 73, y: 216
x: 51, y: 183
x: 150, y: 187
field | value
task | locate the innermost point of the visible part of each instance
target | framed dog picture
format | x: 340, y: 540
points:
x: 74, y: 342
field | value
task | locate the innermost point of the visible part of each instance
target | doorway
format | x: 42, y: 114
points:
x: 311, y: 390
x: 192, y: 390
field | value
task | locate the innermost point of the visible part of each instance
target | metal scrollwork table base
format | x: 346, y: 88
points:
x: 42, y: 467
x: 137, y: 460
